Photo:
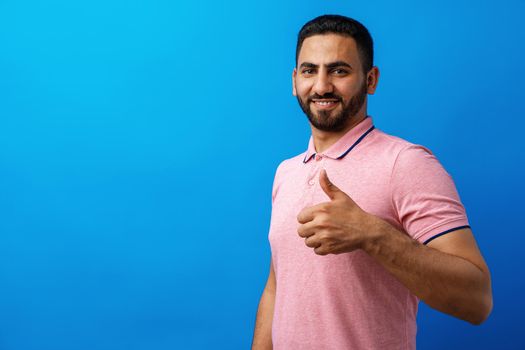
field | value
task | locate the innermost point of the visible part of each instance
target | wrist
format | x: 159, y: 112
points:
x: 375, y: 232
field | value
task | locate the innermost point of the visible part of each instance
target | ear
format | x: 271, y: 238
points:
x: 372, y: 79
x: 294, y: 74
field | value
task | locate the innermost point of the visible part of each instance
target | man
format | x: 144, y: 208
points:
x: 364, y: 224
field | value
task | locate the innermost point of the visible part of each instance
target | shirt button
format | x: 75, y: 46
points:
x: 311, y: 182
x: 318, y: 157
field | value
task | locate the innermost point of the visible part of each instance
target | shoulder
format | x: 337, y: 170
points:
x: 286, y: 170
x: 417, y: 160
x: 390, y: 151
x: 415, y: 170
x: 289, y: 165
x: 404, y: 162
x: 397, y: 145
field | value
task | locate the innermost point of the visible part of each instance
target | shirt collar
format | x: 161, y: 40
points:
x: 345, y: 144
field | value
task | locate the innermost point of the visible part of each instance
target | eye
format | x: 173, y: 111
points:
x: 340, y: 71
x: 308, y: 71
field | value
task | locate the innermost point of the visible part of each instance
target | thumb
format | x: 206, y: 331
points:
x: 331, y: 190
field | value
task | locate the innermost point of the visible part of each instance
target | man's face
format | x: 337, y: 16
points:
x: 329, y: 81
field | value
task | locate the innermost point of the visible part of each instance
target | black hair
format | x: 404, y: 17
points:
x: 341, y: 25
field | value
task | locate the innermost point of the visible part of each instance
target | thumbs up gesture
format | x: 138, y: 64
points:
x: 337, y: 226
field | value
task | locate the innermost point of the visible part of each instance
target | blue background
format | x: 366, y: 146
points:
x: 138, y: 144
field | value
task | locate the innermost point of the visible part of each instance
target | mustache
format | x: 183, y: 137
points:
x: 329, y: 95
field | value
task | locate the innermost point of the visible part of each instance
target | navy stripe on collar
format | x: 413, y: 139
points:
x: 348, y: 150
x: 357, y: 142
x: 311, y: 156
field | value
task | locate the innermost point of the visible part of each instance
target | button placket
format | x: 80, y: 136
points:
x: 314, y: 173
x: 315, y: 164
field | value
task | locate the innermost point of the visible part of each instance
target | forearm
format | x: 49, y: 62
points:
x: 262, y: 337
x: 445, y: 282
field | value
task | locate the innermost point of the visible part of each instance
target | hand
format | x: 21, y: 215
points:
x: 337, y: 226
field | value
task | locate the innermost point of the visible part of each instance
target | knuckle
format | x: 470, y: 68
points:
x: 324, y: 207
x: 323, y: 220
x: 308, y: 243
x: 319, y: 251
x: 323, y: 235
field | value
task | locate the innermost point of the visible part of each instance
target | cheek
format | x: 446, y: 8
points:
x: 351, y: 87
x: 302, y: 89
x: 347, y: 92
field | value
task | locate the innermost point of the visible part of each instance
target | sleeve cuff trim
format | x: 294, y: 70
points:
x: 445, y: 232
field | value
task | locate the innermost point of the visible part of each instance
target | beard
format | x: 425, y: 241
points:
x: 337, y: 122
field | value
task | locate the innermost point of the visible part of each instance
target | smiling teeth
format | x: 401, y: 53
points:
x: 325, y: 103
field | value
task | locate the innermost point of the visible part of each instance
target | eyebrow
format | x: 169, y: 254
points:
x: 329, y: 65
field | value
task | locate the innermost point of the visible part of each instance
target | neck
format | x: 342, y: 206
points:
x: 324, y: 139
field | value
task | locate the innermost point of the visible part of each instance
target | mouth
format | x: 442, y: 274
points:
x: 325, y: 103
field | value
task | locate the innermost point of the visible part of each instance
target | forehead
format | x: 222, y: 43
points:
x: 325, y: 48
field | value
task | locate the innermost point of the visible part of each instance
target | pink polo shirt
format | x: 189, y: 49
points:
x: 349, y: 301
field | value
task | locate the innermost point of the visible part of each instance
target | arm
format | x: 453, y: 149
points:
x: 262, y: 337
x: 449, y: 274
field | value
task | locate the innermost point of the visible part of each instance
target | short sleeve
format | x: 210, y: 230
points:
x: 424, y: 195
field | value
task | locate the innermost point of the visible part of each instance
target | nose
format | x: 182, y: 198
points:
x: 323, y: 85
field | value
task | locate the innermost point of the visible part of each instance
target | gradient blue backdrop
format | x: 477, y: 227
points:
x: 138, y: 143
